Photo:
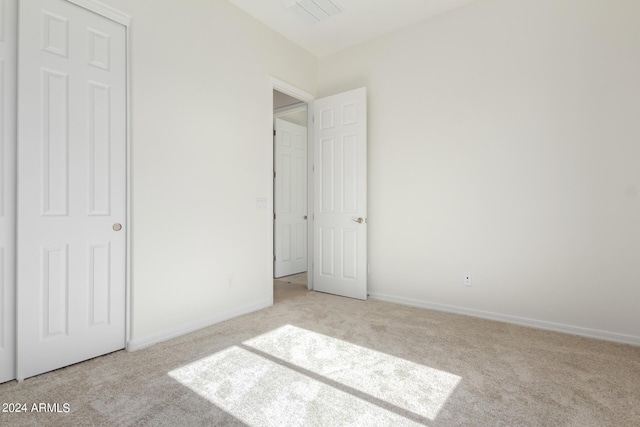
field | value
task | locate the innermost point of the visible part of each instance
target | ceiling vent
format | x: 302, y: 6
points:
x: 312, y: 11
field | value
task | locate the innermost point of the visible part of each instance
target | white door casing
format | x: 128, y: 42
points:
x: 340, y: 194
x: 290, y: 197
x: 72, y: 114
x: 8, y: 45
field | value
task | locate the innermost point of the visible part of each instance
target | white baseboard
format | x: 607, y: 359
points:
x: 539, y: 324
x: 143, y: 342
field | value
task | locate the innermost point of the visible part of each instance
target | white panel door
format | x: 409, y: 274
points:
x: 340, y: 194
x: 290, y: 188
x: 71, y: 186
x: 8, y: 41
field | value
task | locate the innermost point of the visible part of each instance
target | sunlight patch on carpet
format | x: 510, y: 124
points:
x: 292, y: 376
x: 416, y: 388
x: 260, y: 392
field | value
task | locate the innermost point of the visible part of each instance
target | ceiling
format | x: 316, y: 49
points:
x: 359, y: 21
x: 283, y: 100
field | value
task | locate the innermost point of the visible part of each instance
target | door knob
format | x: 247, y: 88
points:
x: 359, y: 220
x: 117, y: 226
x: 305, y: 217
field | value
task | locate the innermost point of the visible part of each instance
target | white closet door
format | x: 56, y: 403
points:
x: 290, y: 153
x: 71, y: 186
x: 8, y: 37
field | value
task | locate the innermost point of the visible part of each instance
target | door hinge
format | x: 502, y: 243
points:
x: 274, y: 132
x: 274, y: 174
x: 274, y: 216
x: 274, y: 257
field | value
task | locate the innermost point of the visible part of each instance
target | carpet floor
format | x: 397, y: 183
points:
x: 319, y: 360
x: 298, y: 279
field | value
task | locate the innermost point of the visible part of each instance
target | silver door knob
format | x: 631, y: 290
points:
x: 117, y: 226
x: 359, y: 220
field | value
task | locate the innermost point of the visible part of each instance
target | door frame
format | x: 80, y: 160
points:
x: 307, y: 98
x: 9, y: 185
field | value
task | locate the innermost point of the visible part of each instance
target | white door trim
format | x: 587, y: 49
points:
x: 295, y: 108
x: 308, y: 98
x: 103, y: 10
x: 125, y: 20
x: 8, y: 187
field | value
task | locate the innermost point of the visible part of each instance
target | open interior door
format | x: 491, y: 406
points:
x: 340, y: 194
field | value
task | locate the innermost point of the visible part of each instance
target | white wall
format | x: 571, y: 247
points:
x: 202, y: 154
x: 504, y: 142
x: 296, y: 117
x: 283, y: 100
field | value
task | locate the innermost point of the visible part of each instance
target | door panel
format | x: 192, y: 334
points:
x: 340, y: 226
x: 8, y: 39
x: 72, y: 186
x: 290, y: 188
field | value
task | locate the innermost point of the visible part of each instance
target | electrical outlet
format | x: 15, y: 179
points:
x: 467, y: 280
x: 261, y: 203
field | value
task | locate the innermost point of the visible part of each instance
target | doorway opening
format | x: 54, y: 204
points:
x: 289, y: 287
x: 336, y: 172
x: 290, y: 196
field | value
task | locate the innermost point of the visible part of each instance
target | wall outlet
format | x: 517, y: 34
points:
x: 261, y: 203
x: 232, y: 281
x: 467, y: 280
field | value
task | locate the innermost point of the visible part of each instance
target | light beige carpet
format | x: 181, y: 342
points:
x: 317, y: 359
x: 298, y: 279
x: 289, y: 287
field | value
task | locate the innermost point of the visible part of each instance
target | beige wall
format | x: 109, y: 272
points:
x: 201, y: 155
x: 295, y: 117
x: 283, y: 100
x: 504, y: 142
